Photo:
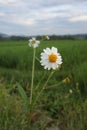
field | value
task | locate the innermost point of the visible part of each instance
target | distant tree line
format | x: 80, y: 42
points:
x: 13, y: 38
x: 39, y: 37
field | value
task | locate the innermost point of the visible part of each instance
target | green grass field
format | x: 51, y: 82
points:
x: 57, y: 106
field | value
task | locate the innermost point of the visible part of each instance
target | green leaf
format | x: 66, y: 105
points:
x: 37, y: 59
x: 22, y: 92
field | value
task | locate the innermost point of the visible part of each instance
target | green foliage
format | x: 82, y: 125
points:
x: 51, y: 111
x: 11, y: 115
x: 22, y: 92
x: 56, y: 105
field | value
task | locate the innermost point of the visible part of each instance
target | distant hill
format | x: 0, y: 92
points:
x: 4, y: 35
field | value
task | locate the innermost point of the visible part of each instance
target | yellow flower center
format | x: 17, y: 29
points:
x: 52, y: 57
x: 33, y: 41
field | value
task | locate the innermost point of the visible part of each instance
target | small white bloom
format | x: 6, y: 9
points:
x: 47, y: 37
x: 71, y: 91
x: 50, y: 58
x: 34, y: 43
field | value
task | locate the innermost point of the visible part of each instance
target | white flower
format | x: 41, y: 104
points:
x: 34, y: 43
x: 50, y: 58
x: 71, y: 91
x: 47, y: 37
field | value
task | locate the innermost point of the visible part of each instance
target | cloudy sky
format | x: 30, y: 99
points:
x: 32, y: 17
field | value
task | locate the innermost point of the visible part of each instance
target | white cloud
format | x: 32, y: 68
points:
x: 2, y: 14
x: 49, y: 15
x: 11, y: 3
x: 81, y: 18
x: 25, y: 22
x: 18, y: 20
x: 7, y: 2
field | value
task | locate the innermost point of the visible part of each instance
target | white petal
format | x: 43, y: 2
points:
x: 35, y: 45
x: 30, y: 40
x: 33, y: 38
x: 54, y: 65
x: 30, y: 44
x: 47, y: 50
x: 54, y: 50
x: 38, y: 42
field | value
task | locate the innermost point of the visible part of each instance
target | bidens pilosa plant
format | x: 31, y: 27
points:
x: 51, y: 60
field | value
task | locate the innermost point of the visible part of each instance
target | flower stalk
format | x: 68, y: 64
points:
x: 32, y: 80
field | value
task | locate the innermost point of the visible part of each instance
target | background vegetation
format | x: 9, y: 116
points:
x: 58, y: 107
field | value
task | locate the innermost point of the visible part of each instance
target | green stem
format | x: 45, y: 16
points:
x: 55, y: 85
x: 38, y: 95
x: 31, y: 91
x: 48, y: 79
x: 38, y: 85
x: 32, y: 80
